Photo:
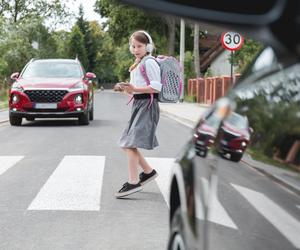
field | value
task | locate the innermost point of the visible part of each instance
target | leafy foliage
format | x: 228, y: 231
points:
x: 76, y: 46
x: 243, y: 57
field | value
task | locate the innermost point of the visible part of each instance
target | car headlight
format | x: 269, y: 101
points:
x: 244, y: 144
x: 15, y: 98
x: 78, y: 99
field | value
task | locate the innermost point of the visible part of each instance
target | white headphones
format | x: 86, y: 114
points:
x: 149, y: 46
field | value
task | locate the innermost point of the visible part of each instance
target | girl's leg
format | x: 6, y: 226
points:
x: 143, y: 163
x: 133, y: 160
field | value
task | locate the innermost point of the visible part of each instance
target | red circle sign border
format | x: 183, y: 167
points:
x: 233, y: 49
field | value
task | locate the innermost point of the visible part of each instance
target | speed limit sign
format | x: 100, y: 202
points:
x: 232, y: 40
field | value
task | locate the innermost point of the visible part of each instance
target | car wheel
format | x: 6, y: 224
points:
x: 83, y: 119
x: 236, y: 157
x: 15, y: 120
x: 202, y: 153
x: 91, y: 117
x: 176, y: 241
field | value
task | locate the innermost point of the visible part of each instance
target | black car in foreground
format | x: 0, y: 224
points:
x: 226, y: 205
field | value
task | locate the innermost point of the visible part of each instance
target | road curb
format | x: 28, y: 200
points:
x: 275, y: 178
x: 179, y: 119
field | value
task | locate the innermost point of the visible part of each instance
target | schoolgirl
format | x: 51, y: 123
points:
x: 141, y: 128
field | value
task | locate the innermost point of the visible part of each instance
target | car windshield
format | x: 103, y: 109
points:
x: 53, y: 70
x: 213, y: 121
x: 237, y: 121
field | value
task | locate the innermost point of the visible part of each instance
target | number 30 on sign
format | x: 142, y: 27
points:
x: 232, y: 40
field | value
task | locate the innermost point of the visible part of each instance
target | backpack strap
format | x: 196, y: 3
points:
x: 130, y: 100
x: 144, y: 74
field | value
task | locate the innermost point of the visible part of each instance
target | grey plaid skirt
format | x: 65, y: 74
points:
x: 140, y: 130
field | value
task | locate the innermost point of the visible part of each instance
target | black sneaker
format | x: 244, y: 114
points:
x: 145, y: 178
x: 128, y: 189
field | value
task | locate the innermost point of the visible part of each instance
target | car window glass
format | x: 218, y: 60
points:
x: 237, y: 121
x: 52, y: 70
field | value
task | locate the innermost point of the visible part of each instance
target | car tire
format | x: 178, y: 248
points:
x: 202, y: 153
x: 176, y: 241
x: 91, y: 115
x: 15, y: 120
x: 236, y: 157
x: 83, y: 118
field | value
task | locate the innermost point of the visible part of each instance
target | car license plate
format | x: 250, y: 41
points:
x: 45, y: 105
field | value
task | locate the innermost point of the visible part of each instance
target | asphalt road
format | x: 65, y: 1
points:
x: 58, y: 179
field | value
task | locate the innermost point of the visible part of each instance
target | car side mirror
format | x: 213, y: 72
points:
x: 14, y: 76
x: 90, y: 75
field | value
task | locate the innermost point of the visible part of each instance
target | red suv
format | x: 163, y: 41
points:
x: 51, y: 88
x: 235, y: 136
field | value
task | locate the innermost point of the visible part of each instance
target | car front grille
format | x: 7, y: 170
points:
x: 46, y: 96
x: 227, y: 136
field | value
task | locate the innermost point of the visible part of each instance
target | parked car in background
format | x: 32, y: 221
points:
x: 51, y: 88
x: 217, y: 204
x: 235, y: 136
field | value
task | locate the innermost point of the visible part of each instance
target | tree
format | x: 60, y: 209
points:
x: 16, y: 44
x: 4, y: 6
x: 76, y: 46
x: 243, y: 57
x: 22, y: 9
x: 122, y: 20
x: 61, y: 39
x: 171, y: 23
x: 196, y: 50
x: 89, y: 45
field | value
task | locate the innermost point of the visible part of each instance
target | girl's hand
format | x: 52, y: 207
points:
x: 129, y: 88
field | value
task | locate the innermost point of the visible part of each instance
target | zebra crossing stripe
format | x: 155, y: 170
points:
x: 217, y: 212
x: 277, y: 216
x: 163, y: 166
x: 7, y: 162
x: 74, y: 185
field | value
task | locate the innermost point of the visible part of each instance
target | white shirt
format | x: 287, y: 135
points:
x: 153, y: 73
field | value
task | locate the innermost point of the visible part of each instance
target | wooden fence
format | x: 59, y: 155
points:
x: 208, y: 90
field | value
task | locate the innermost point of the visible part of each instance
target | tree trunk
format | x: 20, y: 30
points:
x: 171, y: 34
x: 16, y: 11
x: 196, y: 51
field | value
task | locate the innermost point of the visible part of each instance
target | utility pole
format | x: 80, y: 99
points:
x: 182, y: 46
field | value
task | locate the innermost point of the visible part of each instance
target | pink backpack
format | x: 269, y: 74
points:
x: 170, y: 78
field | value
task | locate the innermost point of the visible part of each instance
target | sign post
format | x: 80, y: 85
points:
x: 232, y: 41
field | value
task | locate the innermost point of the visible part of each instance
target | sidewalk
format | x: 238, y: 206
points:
x: 189, y: 114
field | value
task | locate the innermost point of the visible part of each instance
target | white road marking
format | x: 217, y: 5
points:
x: 74, y: 185
x: 7, y: 162
x: 277, y: 216
x: 163, y: 166
x: 217, y: 212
